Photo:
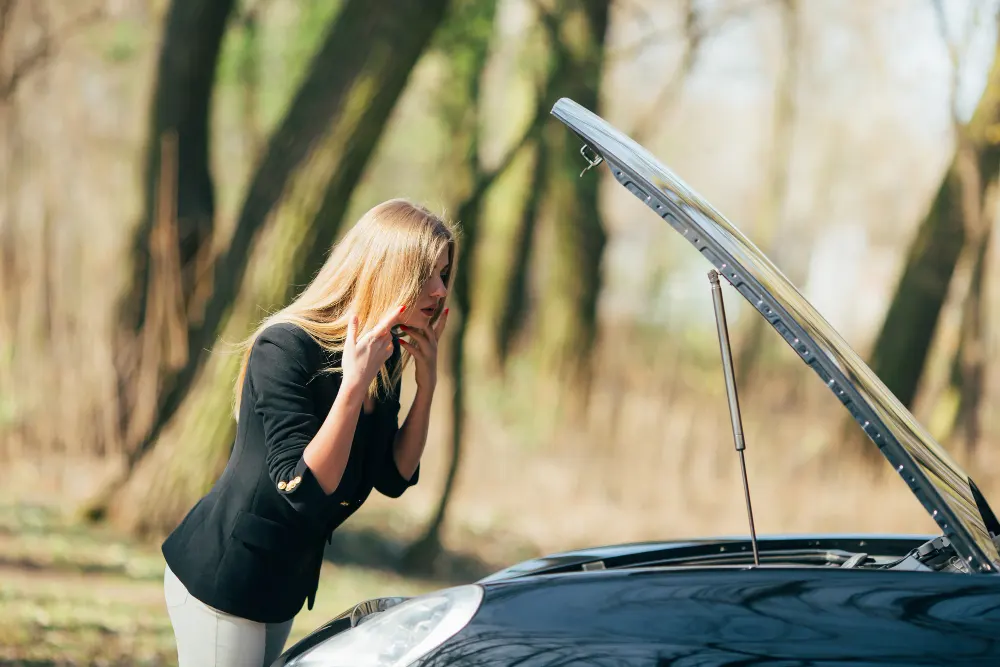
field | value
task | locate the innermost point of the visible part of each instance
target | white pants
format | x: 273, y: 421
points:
x: 207, y: 637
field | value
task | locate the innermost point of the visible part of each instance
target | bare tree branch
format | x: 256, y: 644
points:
x: 44, y: 49
x: 703, y: 30
x: 486, y: 178
x: 637, y: 8
x: 251, y: 11
x: 695, y: 30
x: 693, y: 37
x: 956, y: 49
x: 770, y: 218
x: 548, y: 20
x: 953, y: 57
x: 6, y: 9
x: 35, y: 57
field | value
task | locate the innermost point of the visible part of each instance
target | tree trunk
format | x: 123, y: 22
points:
x: 961, y: 340
x: 567, y: 320
x: 465, y: 41
x: 970, y: 361
x: 345, y: 77
x: 170, y: 246
x: 333, y: 142
x: 248, y: 70
x: 900, y: 351
x: 10, y: 294
x: 514, y: 308
x: 776, y: 187
x: 421, y: 556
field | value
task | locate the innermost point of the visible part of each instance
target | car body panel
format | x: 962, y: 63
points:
x: 638, y: 554
x: 932, y: 475
x: 705, y: 616
x: 814, y: 600
x: 687, y: 617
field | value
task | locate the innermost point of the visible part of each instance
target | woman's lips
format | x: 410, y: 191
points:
x: 429, y: 311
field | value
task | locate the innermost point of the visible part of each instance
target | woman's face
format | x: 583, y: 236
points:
x: 433, y: 293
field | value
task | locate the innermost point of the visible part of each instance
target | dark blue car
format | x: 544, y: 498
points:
x: 816, y: 600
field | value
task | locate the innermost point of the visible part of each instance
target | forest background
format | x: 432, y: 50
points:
x: 171, y: 171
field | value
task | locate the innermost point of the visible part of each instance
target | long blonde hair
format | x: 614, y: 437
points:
x: 381, y: 263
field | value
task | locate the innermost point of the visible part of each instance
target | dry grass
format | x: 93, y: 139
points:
x: 72, y: 595
x: 652, y: 458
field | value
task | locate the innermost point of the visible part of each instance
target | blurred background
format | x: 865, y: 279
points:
x: 173, y: 170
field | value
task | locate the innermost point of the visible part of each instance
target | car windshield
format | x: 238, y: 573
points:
x: 934, y: 477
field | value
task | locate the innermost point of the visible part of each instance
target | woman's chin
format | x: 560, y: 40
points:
x: 417, y: 320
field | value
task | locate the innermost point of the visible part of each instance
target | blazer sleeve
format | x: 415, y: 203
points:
x: 388, y: 480
x: 278, y: 371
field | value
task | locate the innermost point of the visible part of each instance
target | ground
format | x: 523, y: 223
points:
x: 72, y: 594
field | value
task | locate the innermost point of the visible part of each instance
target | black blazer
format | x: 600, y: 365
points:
x: 253, y: 546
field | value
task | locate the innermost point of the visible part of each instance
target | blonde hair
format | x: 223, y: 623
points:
x: 381, y: 263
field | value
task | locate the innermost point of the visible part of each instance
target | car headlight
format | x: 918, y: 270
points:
x: 400, y: 635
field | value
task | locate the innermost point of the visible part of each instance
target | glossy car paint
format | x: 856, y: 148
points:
x: 549, y: 611
x: 689, y: 617
x: 832, y: 549
x: 697, y: 603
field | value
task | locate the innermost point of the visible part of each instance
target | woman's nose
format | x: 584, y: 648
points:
x: 439, y: 290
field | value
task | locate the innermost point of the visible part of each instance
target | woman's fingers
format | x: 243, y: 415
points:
x: 439, y: 325
x: 377, y: 334
x: 366, y: 353
x: 352, y: 330
x: 414, y: 350
x: 386, y: 323
x: 419, y: 336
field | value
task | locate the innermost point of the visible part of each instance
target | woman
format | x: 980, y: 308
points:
x: 316, y: 404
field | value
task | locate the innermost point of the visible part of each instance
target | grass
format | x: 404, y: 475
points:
x: 78, y: 595
x: 651, y: 459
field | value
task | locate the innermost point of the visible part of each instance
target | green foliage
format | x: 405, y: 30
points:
x: 465, y: 37
x: 239, y: 51
x: 49, y: 613
x: 290, y: 53
x: 125, y: 41
x: 279, y: 49
x: 7, y: 411
x: 464, y: 41
x: 527, y: 427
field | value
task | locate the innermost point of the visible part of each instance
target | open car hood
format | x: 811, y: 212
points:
x: 941, y: 486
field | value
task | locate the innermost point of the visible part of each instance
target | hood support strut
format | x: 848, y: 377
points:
x: 734, y: 401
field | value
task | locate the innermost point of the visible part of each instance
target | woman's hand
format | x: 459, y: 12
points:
x: 364, y: 356
x: 423, y: 346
